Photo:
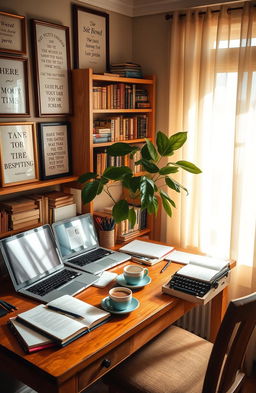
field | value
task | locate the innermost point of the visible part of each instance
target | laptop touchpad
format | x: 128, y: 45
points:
x: 71, y: 288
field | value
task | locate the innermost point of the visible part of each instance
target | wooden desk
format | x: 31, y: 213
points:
x: 73, y: 368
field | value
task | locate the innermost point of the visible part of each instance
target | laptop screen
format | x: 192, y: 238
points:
x: 75, y: 235
x: 31, y: 254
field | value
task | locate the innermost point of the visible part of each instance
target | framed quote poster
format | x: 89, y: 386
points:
x: 18, y: 153
x: 91, y: 39
x: 52, y: 68
x: 13, y: 87
x: 12, y: 33
x: 54, y: 149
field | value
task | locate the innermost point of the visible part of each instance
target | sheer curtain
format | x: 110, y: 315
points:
x: 213, y: 97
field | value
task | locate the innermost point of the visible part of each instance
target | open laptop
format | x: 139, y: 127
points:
x: 36, y: 269
x: 78, y: 245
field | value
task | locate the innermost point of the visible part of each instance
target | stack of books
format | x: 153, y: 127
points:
x: 22, y: 213
x: 57, y: 323
x: 60, y: 205
x: 127, y: 70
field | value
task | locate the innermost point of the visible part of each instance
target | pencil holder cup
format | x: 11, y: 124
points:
x: 107, y: 238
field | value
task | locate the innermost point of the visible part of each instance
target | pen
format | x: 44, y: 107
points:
x: 8, y: 306
x: 165, y: 267
x: 73, y: 314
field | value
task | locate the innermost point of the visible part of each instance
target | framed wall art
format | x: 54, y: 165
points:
x: 52, y: 68
x: 12, y: 33
x: 91, y: 39
x: 18, y: 153
x: 54, y: 150
x: 14, y: 100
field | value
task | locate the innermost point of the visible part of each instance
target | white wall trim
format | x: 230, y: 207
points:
x: 124, y: 7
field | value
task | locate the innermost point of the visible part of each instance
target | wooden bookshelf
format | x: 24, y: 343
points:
x: 85, y: 114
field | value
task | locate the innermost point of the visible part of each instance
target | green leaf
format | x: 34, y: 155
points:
x: 163, y: 194
x: 172, y: 184
x: 153, y: 205
x: 134, y: 152
x: 90, y: 191
x: 149, y: 166
x: 166, y: 170
x: 87, y: 176
x: 120, y: 149
x: 116, y: 173
x: 147, y: 192
x: 188, y: 166
x: 132, y: 217
x: 145, y: 153
x: 167, y: 206
x: 152, y: 150
x: 163, y: 143
x: 177, y: 140
x: 132, y: 183
x: 120, y: 211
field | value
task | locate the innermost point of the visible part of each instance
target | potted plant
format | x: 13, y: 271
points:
x: 148, y: 187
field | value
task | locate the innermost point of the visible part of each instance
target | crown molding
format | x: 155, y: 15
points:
x: 135, y: 8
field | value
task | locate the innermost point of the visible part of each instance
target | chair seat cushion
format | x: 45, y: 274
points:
x: 173, y: 362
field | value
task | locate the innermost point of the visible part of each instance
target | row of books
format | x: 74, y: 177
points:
x: 22, y: 213
x: 125, y: 231
x: 103, y: 161
x: 120, y: 128
x: 119, y: 96
x: 127, y: 70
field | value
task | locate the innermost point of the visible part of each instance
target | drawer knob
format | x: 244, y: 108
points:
x: 106, y: 363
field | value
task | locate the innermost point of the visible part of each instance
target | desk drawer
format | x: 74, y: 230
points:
x: 103, y: 365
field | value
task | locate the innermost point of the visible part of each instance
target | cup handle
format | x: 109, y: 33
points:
x: 145, y: 271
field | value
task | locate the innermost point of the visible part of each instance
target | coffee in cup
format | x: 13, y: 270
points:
x: 134, y: 274
x: 120, y: 298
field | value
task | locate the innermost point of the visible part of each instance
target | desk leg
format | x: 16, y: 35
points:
x: 218, y: 308
x: 69, y: 386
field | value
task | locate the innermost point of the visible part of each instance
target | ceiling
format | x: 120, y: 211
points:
x: 148, y: 7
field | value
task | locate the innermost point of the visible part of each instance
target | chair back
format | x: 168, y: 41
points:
x: 224, y: 368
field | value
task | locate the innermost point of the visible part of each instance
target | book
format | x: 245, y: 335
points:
x: 204, y: 268
x: 60, y: 213
x: 29, y: 339
x: 146, y: 260
x: 63, y: 319
x: 146, y: 249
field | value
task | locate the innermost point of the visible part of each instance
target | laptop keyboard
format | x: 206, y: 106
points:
x: 90, y: 257
x: 54, y: 282
x: 189, y: 285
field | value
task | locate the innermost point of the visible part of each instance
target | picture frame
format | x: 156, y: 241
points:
x: 12, y: 33
x: 54, y: 139
x: 52, y: 69
x: 14, y: 100
x: 91, y: 39
x: 18, y: 153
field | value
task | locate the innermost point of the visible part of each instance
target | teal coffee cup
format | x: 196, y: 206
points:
x: 120, y: 298
x: 134, y: 274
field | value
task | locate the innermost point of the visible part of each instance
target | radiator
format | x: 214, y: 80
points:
x: 197, y: 321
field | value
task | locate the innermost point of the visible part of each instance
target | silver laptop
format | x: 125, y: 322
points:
x: 78, y: 245
x: 36, y: 269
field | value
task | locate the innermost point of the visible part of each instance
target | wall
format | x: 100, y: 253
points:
x: 150, y: 49
x: 59, y: 11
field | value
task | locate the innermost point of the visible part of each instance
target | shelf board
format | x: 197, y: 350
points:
x: 142, y: 140
x: 145, y: 110
x: 36, y: 185
x: 108, y: 78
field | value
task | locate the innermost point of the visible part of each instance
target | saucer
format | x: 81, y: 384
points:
x: 121, y: 281
x: 105, y: 304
